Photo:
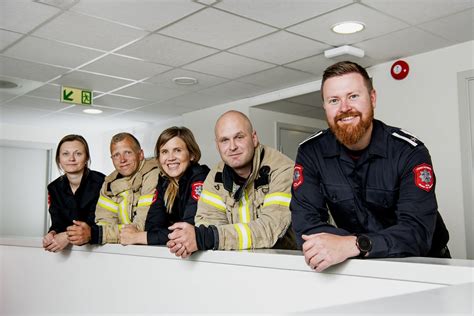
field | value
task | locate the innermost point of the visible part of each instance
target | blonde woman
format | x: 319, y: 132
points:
x: 178, y: 190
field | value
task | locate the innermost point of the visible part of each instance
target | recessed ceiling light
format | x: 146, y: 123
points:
x: 348, y: 27
x: 5, y: 84
x: 92, y: 111
x: 185, y: 81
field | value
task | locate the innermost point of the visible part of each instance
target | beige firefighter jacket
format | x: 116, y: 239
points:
x: 261, y: 217
x: 125, y: 200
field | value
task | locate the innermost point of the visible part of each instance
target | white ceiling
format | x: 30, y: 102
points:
x: 128, y: 51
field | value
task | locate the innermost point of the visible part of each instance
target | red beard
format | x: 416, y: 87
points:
x: 349, y: 134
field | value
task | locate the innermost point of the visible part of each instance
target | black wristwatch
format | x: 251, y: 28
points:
x: 364, y: 244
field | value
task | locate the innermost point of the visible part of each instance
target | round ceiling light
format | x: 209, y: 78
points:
x: 348, y: 27
x: 185, y: 81
x: 4, y: 84
x: 92, y: 111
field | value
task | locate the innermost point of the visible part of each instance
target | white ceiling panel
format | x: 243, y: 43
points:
x: 376, y: 24
x: 217, y: 29
x: 13, y: 115
x: 6, y: 38
x: 278, y: 78
x: 166, y: 50
x: 148, y: 15
x: 204, y: 81
x: 415, y: 41
x: 24, y: 15
x: 313, y: 99
x: 420, y: 11
x: 164, y: 109
x: 76, y: 28
x: 194, y: 101
x: 317, y: 64
x: 448, y: 27
x: 120, y: 102
x: 281, y: 13
x: 228, y: 65
x: 37, y: 104
x: 90, y: 81
x: 47, y: 91
x: 142, y: 117
x: 233, y: 90
x: 272, y: 48
x: 51, y: 52
x: 125, y: 67
x: 149, y: 91
x: 78, y: 109
x: 29, y: 70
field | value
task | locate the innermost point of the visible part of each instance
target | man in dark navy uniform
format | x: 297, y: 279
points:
x: 376, y: 181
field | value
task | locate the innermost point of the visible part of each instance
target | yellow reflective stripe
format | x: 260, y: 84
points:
x: 145, y: 200
x: 279, y: 198
x: 120, y: 226
x: 245, y: 237
x: 213, y: 200
x: 123, y: 211
x: 108, y: 204
x: 102, y: 223
x: 244, y: 211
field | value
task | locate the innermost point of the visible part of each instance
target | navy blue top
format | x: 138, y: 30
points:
x: 184, y: 207
x: 65, y: 206
x: 388, y: 193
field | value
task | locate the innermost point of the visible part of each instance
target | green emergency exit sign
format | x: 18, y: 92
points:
x: 76, y: 96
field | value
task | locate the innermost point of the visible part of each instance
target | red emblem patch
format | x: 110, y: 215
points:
x: 196, y: 189
x: 298, y: 176
x: 424, y: 177
x: 155, y: 196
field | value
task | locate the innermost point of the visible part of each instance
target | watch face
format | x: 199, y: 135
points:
x: 364, y: 243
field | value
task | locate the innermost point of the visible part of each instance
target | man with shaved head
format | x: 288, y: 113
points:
x: 245, y: 199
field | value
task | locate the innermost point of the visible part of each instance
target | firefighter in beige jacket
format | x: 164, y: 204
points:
x: 128, y: 192
x: 245, y: 199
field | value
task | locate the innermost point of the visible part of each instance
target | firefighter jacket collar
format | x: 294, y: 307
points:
x: 228, y: 175
x: 377, y: 145
x: 136, y: 179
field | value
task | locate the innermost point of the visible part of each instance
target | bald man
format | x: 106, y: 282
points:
x: 245, y: 199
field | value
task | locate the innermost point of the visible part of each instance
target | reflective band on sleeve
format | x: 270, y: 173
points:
x: 244, y: 211
x: 120, y: 226
x: 102, y: 223
x: 245, y: 237
x: 123, y: 209
x: 278, y: 198
x: 213, y: 200
x: 145, y: 200
x: 108, y: 204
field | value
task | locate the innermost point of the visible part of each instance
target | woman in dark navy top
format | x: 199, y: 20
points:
x: 73, y: 196
x: 178, y: 190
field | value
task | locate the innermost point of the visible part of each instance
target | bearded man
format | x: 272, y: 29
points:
x: 376, y: 181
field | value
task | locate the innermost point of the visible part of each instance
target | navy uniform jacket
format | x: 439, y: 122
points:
x: 65, y: 206
x: 387, y: 194
x: 184, y: 207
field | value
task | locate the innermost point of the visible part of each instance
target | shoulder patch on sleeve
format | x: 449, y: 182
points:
x: 196, y: 190
x: 424, y: 177
x: 298, y: 177
x: 407, y: 137
x: 315, y: 135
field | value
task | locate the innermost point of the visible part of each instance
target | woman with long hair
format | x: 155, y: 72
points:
x: 178, y: 190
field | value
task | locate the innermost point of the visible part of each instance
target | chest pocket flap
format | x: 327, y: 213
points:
x: 385, y: 199
x: 337, y: 193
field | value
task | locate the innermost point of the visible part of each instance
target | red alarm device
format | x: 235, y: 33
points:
x: 399, y: 70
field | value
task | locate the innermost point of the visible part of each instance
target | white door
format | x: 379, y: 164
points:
x: 290, y: 136
x: 24, y: 176
x: 466, y: 126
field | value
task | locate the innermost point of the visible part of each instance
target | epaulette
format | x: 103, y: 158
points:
x: 408, y: 137
x: 315, y: 135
